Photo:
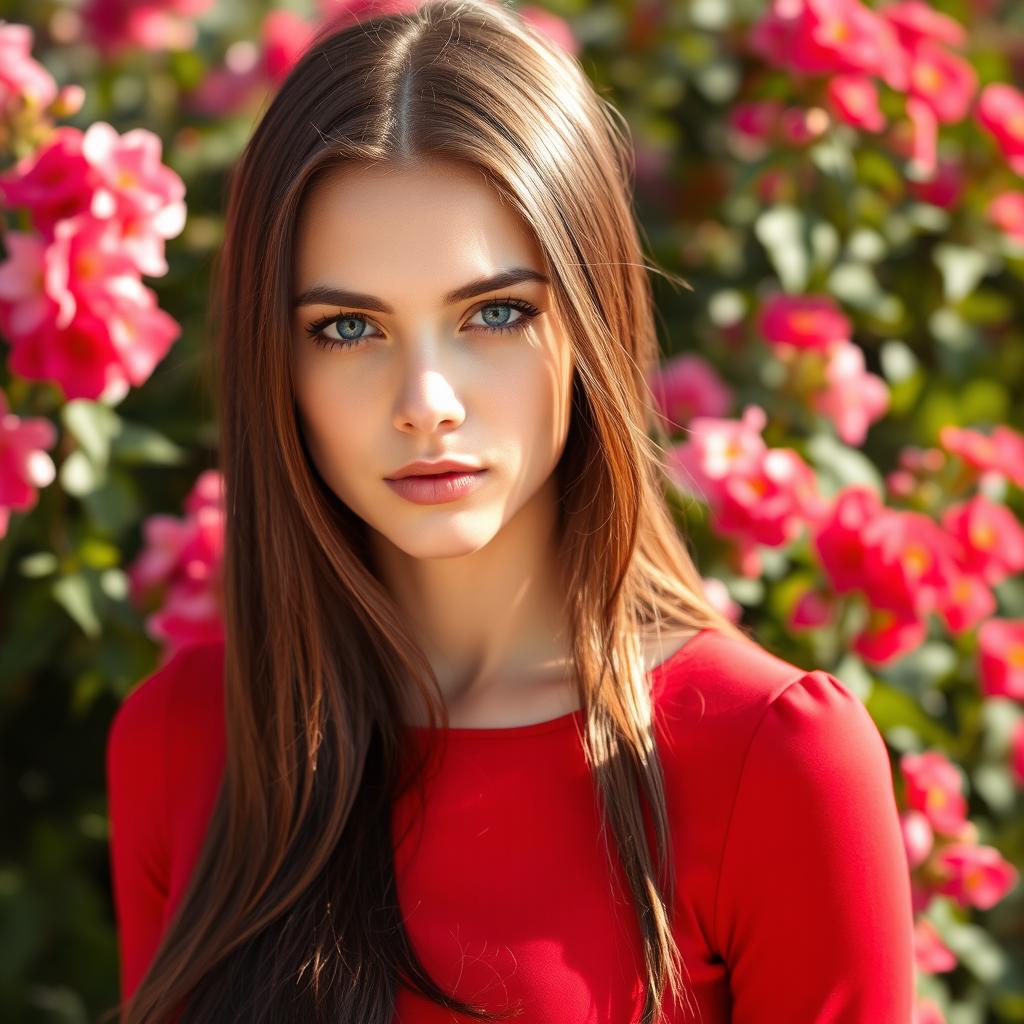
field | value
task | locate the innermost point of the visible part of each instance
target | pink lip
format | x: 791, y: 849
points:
x: 437, y: 487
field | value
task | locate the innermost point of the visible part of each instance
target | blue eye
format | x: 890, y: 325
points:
x: 350, y: 324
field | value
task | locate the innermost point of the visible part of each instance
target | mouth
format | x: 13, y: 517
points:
x: 436, y: 488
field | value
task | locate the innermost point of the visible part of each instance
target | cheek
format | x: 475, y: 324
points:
x: 329, y: 419
x: 530, y: 403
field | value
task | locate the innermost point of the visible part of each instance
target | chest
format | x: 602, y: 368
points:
x: 506, y: 889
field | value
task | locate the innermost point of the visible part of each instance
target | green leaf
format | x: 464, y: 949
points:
x: 962, y: 267
x: 75, y: 596
x: 838, y: 465
x: 40, y: 563
x: 80, y: 475
x: 921, y: 668
x: 93, y: 425
x: 894, y: 709
x: 137, y: 443
x: 114, y: 507
x: 854, y: 675
x: 970, y: 943
x: 781, y: 230
x: 898, y: 360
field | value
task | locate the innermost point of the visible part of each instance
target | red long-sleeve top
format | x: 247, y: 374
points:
x: 793, y: 897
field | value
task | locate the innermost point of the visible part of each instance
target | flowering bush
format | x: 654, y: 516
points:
x: 843, y: 387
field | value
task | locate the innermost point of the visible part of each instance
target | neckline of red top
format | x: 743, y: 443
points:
x: 562, y: 721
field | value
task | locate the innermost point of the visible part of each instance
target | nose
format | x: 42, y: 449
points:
x: 426, y: 400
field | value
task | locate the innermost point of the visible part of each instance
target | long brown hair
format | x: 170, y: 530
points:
x: 291, y: 910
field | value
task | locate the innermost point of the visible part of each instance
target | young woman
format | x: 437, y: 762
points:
x: 476, y: 745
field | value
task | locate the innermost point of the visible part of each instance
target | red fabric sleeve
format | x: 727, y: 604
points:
x: 137, y: 812
x: 813, y: 910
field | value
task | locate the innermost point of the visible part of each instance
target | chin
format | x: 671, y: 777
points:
x: 442, y: 540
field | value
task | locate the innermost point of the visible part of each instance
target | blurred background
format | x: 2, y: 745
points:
x: 841, y: 185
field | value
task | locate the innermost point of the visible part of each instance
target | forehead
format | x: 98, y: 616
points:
x: 420, y: 229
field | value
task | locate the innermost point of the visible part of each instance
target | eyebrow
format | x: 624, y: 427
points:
x: 321, y: 294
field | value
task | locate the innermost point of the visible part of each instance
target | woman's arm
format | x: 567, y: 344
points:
x: 813, y: 910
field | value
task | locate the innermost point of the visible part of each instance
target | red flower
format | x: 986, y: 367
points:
x: 1001, y: 658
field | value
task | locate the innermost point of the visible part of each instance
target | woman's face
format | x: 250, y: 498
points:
x: 408, y: 369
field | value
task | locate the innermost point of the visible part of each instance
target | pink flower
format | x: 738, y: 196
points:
x: 721, y: 447
x: 107, y: 176
x: 207, y: 492
x: 811, y: 610
x: 555, y: 28
x: 718, y: 594
x: 74, y: 307
x: 165, y: 538
x: 343, y: 11
x: 803, y: 322
x: 45, y: 284
x: 909, y: 560
x: 757, y: 495
x: 115, y: 25
x: 1006, y: 212
x: 931, y: 954
x: 975, y: 876
x: 83, y: 264
x: 1017, y: 752
x: 799, y: 126
x: 1001, y: 658
x: 990, y: 535
x: 853, y: 398
x: 1001, y: 454
x: 915, y: 21
x: 21, y: 76
x: 934, y: 787
x: 24, y: 463
x: 943, y: 80
x: 966, y: 602
x: 768, y: 505
x: 829, y: 36
x: 69, y: 101
x: 54, y: 182
x: 113, y: 344
x: 924, y: 122
x: 854, y: 99
x: 902, y: 561
x: 839, y: 540
x: 944, y: 189
x: 132, y: 185
x: 228, y: 88
x: 889, y: 634
x: 756, y: 119
x: 179, y: 568
x: 80, y: 358
x: 927, y: 1011
x: 285, y: 36
x: 1000, y: 110
x: 918, y: 837
x: 688, y: 386
x: 30, y: 294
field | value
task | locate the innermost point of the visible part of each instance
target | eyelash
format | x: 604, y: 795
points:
x: 317, y: 327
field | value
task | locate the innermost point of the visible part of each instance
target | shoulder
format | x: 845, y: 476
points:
x: 188, y: 683
x: 781, y: 786
x: 167, y: 734
x: 737, y: 725
x: 811, y: 863
x: 719, y: 691
x: 719, y: 685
